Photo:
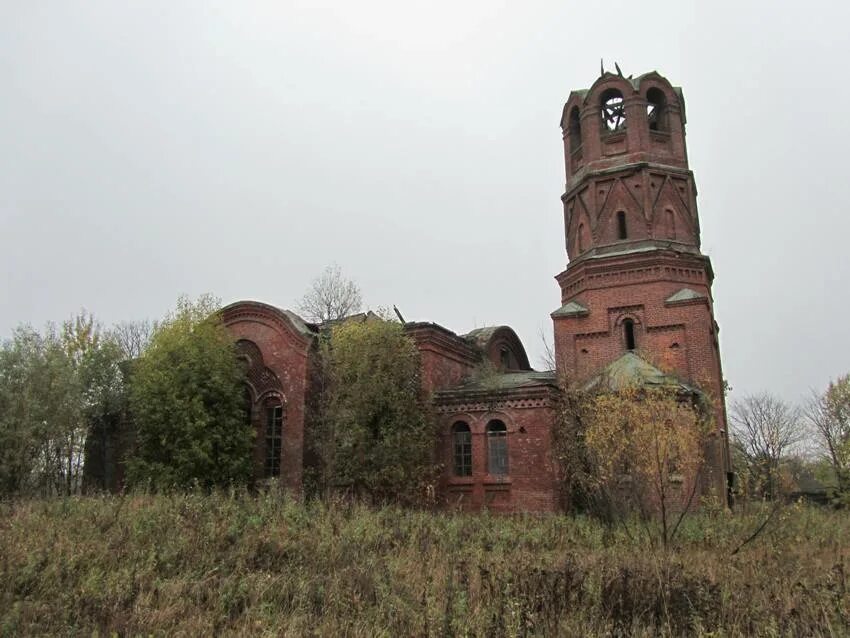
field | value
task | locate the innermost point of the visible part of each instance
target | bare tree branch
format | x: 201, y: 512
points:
x: 331, y: 296
x: 547, y: 357
x: 766, y: 429
x: 133, y: 337
x: 829, y: 416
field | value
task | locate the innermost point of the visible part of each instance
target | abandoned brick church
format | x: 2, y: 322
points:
x: 635, y: 281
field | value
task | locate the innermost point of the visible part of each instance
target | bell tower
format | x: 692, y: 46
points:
x: 636, y: 279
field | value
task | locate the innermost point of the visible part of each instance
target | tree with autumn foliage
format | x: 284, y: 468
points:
x: 634, y: 454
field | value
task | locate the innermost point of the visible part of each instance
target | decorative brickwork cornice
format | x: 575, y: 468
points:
x: 658, y: 264
x: 622, y: 170
x: 269, y: 315
x: 465, y: 400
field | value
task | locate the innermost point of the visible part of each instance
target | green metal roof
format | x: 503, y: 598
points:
x: 571, y: 309
x: 685, y: 294
x: 509, y: 380
x: 631, y: 370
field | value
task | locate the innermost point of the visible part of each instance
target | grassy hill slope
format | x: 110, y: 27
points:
x: 266, y: 565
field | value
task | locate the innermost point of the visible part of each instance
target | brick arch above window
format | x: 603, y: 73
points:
x: 621, y: 317
x: 260, y: 377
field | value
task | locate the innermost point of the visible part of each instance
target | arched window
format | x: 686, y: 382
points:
x: 629, y: 331
x: 575, y: 130
x: 613, y: 111
x: 462, y: 445
x: 581, y: 238
x: 505, y: 358
x: 274, y: 438
x: 622, y: 231
x: 497, y: 448
x: 656, y: 110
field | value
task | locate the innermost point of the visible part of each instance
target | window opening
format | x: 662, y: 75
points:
x: 656, y: 110
x: 629, y: 328
x: 505, y: 358
x: 462, y: 443
x: 581, y: 238
x: 274, y: 432
x: 622, y: 232
x: 497, y: 448
x: 574, y: 130
x: 613, y: 111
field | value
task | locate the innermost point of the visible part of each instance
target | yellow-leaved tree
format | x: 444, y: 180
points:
x: 639, y: 453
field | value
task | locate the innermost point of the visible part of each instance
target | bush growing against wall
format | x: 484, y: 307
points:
x: 373, y: 435
x: 186, y: 403
x: 634, y: 454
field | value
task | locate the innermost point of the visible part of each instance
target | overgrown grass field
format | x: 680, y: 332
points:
x: 193, y: 564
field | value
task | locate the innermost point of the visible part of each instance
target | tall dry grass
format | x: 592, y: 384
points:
x: 236, y: 564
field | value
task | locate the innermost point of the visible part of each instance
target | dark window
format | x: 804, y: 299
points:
x: 622, y: 232
x: 613, y: 111
x: 462, y: 443
x: 505, y: 358
x: 497, y: 448
x: 656, y: 110
x: 671, y: 223
x: 581, y: 238
x: 274, y: 432
x: 575, y: 130
x: 629, y: 329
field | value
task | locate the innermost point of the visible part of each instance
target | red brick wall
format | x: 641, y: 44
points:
x: 530, y: 484
x: 442, y: 370
x: 285, y: 352
x: 446, y: 358
x: 658, y: 205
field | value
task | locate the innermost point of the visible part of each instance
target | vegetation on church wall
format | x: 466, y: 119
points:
x: 647, y: 447
x: 234, y: 564
x: 186, y: 404
x: 372, y: 435
x: 632, y: 456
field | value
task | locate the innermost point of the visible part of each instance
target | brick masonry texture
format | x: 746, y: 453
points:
x: 632, y: 239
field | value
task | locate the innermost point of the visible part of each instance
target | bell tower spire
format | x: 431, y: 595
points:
x: 636, y: 280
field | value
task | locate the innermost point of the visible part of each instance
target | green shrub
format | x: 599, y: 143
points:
x: 186, y: 404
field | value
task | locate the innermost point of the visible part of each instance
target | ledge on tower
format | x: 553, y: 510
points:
x: 685, y: 295
x: 571, y: 309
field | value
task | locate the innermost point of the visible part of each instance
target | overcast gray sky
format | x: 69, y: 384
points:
x: 158, y: 148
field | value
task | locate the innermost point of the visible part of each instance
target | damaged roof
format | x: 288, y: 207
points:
x: 509, y: 380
